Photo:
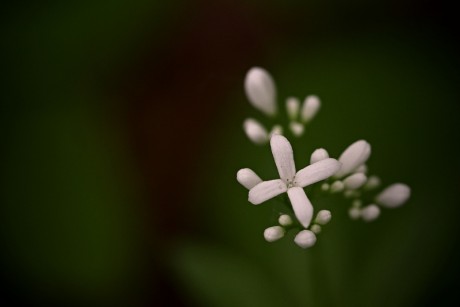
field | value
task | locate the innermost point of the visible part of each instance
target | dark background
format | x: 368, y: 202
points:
x: 121, y: 131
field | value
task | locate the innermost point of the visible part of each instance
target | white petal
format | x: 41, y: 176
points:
x: 255, y: 131
x: 284, y: 157
x: 318, y: 155
x: 370, y: 213
x: 292, y: 107
x: 315, y: 228
x: 353, y: 157
x: 296, y: 128
x: 310, y: 107
x: 266, y: 190
x: 303, y: 209
x: 260, y: 90
x: 285, y: 220
x: 372, y: 183
x: 323, y: 217
x: 274, y: 233
x: 247, y: 178
x: 316, y: 172
x: 355, y: 181
x: 305, y: 239
x: 277, y: 129
x: 394, y: 196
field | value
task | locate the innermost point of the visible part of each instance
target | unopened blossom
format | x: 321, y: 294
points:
x: 274, y: 233
x: 291, y: 181
x: 370, y: 213
x: 353, y: 157
x: 296, y: 128
x: 310, y: 107
x: 255, y: 131
x: 354, y: 213
x: 323, y: 217
x: 315, y: 228
x: 277, y: 129
x: 372, y: 183
x: 292, y: 107
x: 361, y: 169
x: 318, y: 155
x: 285, y: 220
x: 305, y: 239
x: 260, y: 90
x: 393, y: 196
x: 247, y: 178
x: 337, y: 186
x: 355, y: 181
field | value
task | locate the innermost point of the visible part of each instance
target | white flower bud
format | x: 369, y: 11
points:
x: 394, y: 196
x: 357, y: 203
x: 285, y: 220
x: 337, y: 186
x: 315, y: 228
x: 296, y: 128
x: 310, y: 107
x: 247, y: 178
x: 255, y: 131
x: 372, y: 183
x: 260, y: 90
x: 277, y: 129
x: 318, y: 155
x: 323, y: 217
x: 292, y: 107
x: 361, y: 169
x: 325, y: 187
x: 370, y: 213
x: 305, y: 239
x: 353, y: 157
x: 272, y: 234
x: 354, y: 213
x: 351, y: 193
x: 355, y: 181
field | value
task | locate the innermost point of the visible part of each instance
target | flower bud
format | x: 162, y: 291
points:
x: 305, y: 239
x: 315, y: 228
x: 355, y: 181
x: 353, y: 157
x: 255, y: 131
x: 260, y: 90
x: 247, y: 178
x: 394, y: 196
x: 323, y: 217
x: 318, y: 155
x: 292, y: 107
x: 296, y: 128
x: 361, y: 169
x: 285, y: 220
x: 310, y: 107
x: 277, y: 129
x: 370, y: 213
x: 325, y: 187
x: 372, y: 183
x: 354, y: 213
x: 272, y: 234
x: 337, y: 186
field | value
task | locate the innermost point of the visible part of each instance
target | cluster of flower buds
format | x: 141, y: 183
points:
x: 261, y: 93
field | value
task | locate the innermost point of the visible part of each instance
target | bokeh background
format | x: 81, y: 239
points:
x: 122, y: 134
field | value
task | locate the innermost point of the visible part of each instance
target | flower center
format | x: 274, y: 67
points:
x: 290, y: 183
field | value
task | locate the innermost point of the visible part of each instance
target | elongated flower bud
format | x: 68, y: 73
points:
x: 318, y: 155
x: 323, y: 217
x: 296, y: 128
x: 370, y: 213
x: 260, y: 90
x: 292, y: 107
x: 305, y: 239
x: 393, y: 196
x: 274, y: 233
x: 285, y: 220
x: 255, y: 131
x: 247, y: 178
x: 355, y: 181
x: 310, y: 107
x: 353, y: 157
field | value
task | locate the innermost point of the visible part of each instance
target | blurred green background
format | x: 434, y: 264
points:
x: 122, y: 133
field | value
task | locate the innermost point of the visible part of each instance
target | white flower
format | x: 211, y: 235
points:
x: 255, y: 131
x: 292, y: 107
x: 305, y: 239
x: 274, y: 233
x: 393, y: 196
x: 370, y: 213
x: 292, y: 182
x: 353, y: 157
x: 310, y: 107
x: 247, y: 178
x: 355, y: 181
x: 318, y: 155
x: 260, y: 90
x: 285, y: 220
x: 323, y: 217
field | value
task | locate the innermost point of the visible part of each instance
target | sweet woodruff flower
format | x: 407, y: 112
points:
x: 290, y: 181
x: 353, y: 157
x: 393, y: 196
x: 260, y: 90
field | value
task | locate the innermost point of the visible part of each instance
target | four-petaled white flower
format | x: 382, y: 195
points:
x: 291, y: 181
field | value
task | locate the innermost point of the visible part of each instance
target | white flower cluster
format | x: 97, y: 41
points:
x: 347, y: 175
